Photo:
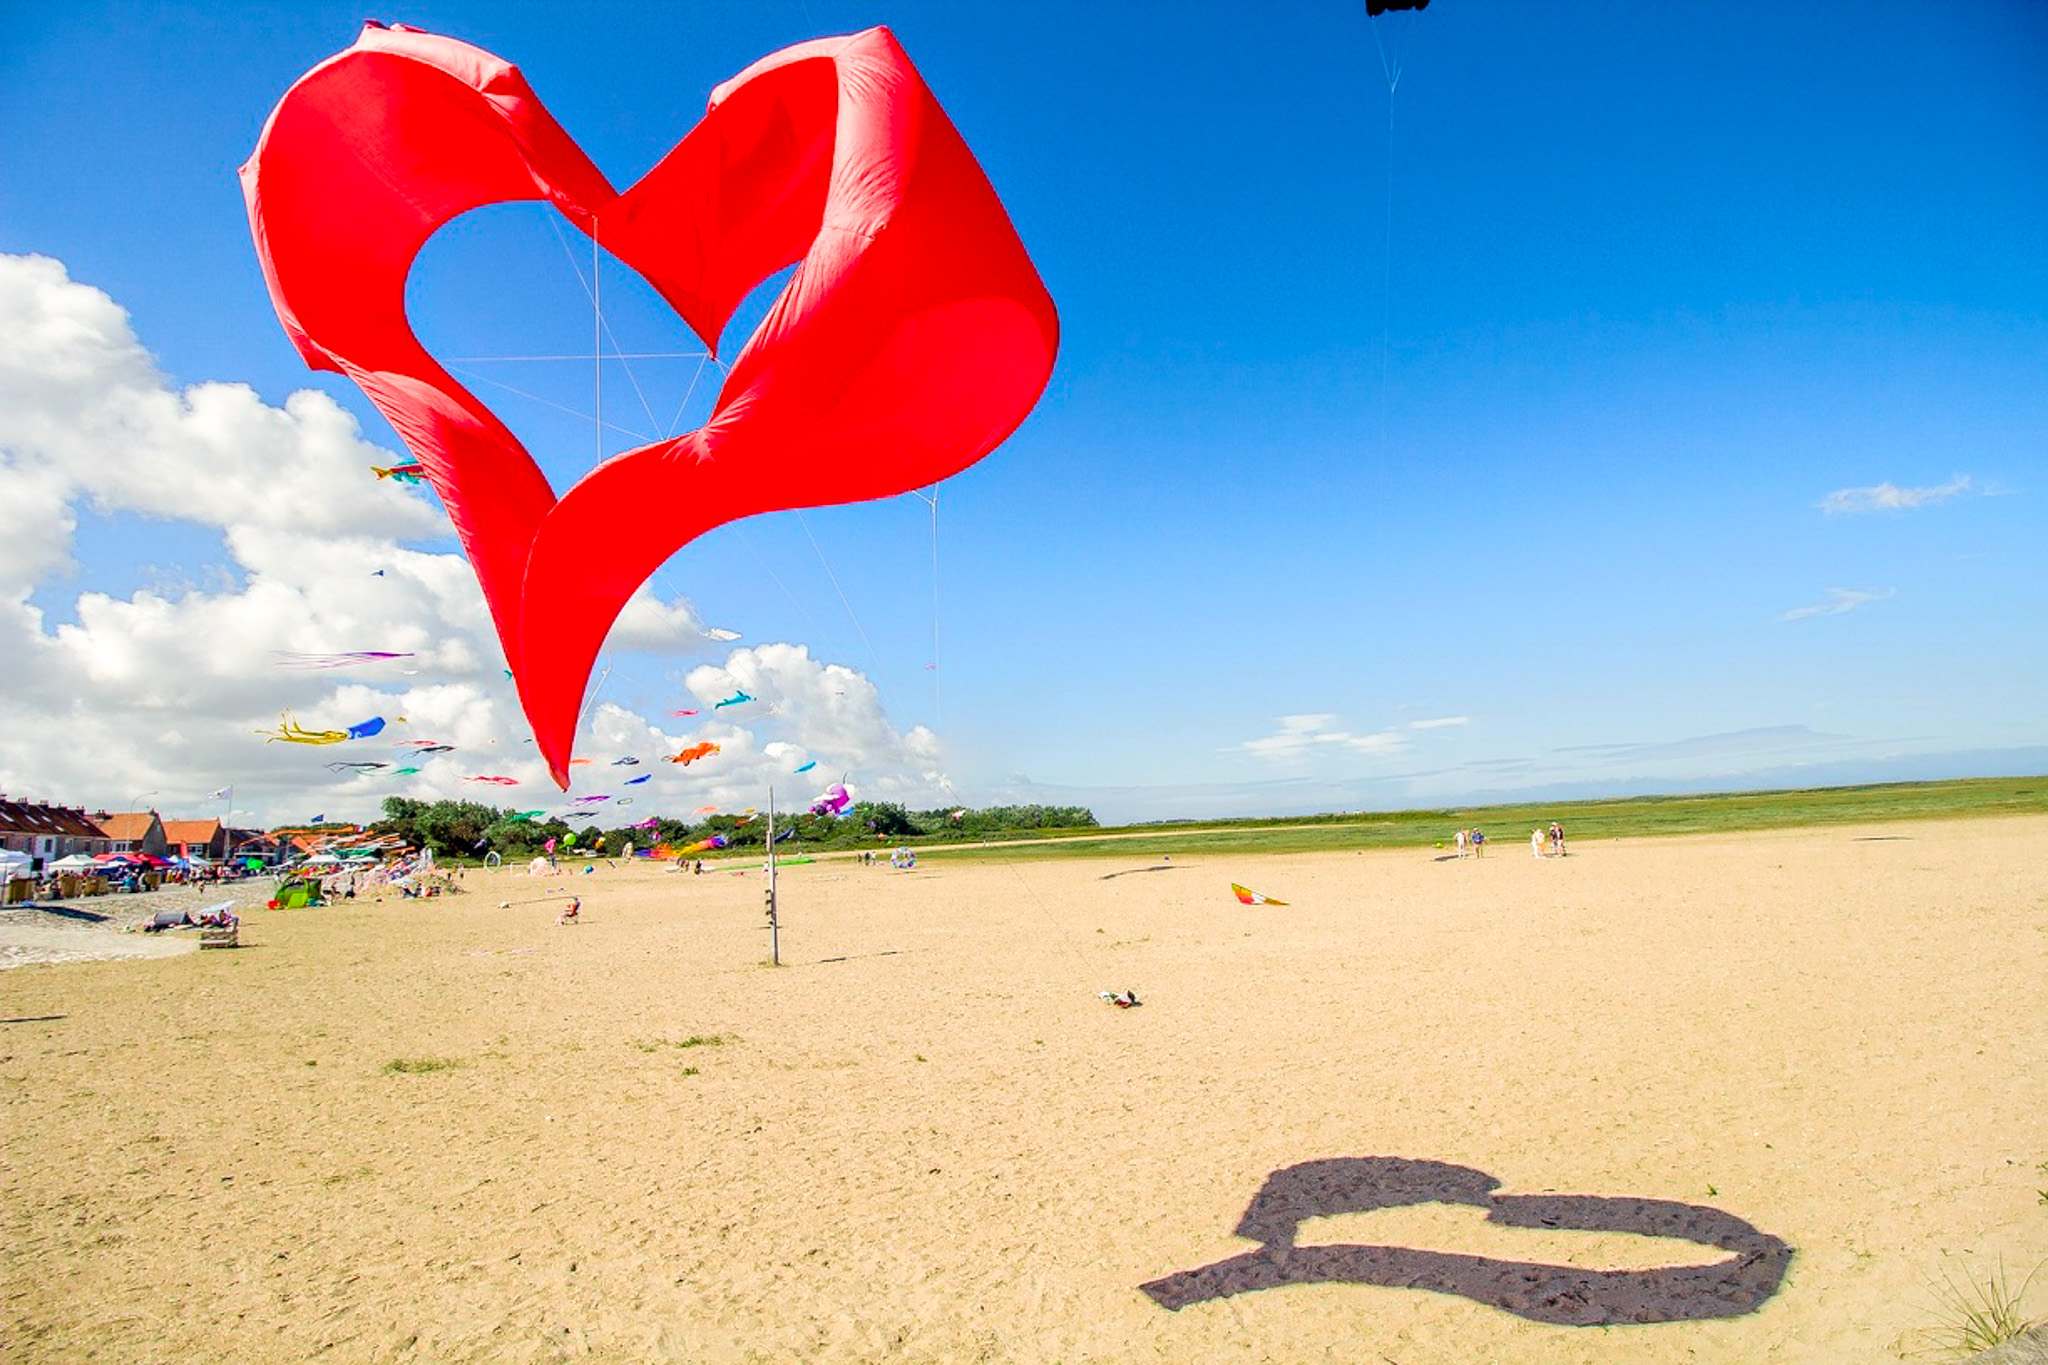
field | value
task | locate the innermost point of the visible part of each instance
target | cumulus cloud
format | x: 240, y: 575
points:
x: 1439, y: 723
x: 167, y: 689
x: 1889, y: 497
x: 1837, y: 601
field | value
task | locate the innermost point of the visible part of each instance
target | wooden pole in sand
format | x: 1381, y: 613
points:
x: 774, y: 930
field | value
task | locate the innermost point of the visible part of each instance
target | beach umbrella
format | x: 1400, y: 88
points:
x: 76, y: 862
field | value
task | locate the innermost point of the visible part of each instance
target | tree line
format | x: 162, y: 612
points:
x: 470, y: 830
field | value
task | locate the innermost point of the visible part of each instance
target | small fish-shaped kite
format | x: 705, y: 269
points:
x: 286, y: 659
x: 686, y: 711
x: 808, y: 766
x: 400, y: 772
x: 529, y: 815
x: 722, y: 636
x: 404, y: 473
x: 1248, y: 897
x: 356, y: 767
x: 636, y: 781
x: 627, y: 762
x: 736, y: 699
x: 705, y: 810
x: 588, y: 800
x: 695, y: 752
x: 291, y: 732
x: 495, y: 781
x: 426, y: 749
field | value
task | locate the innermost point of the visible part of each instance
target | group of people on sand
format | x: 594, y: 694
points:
x: 1471, y: 843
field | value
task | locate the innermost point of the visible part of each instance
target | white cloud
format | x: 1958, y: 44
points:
x: 1889, y: 497
x: 1299, y: 735
x: 1439, y: 723
x: 168, y: 688
x: 1837, y: 601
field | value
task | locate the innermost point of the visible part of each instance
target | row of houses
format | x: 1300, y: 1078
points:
x: 47, y: 832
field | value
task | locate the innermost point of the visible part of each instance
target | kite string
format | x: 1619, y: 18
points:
x: 851, y: 614
x: 601, y: 328
x: 471, y: 378
x: 931, y: 500
x: 1390, y: 67
x: 937, y: 713
x: 1387, y: 267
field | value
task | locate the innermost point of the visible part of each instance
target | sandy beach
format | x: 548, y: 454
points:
x: 1730, y: 1098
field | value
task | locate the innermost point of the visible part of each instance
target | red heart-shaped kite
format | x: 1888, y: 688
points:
x: 912, y: 338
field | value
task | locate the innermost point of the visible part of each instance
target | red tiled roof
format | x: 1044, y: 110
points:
x: 27, y: 817
x: 130, y: 825
x: 191, y: 831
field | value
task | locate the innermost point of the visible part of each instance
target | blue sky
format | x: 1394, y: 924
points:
x: 1667, y: 412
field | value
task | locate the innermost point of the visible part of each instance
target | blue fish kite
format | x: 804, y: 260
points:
x: 734, y: 700
x: 808, y: 766
x: 636, y: 781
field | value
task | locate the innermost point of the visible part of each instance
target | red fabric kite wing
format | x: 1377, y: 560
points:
x: 912, y: 338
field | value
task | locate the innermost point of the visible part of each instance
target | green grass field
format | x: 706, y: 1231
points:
x: 1633, y: 817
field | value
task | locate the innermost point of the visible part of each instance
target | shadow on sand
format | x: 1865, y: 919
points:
x: 1564, y: 1295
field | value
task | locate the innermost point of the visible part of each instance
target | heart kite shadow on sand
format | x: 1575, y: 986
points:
x: 1563, y: 1295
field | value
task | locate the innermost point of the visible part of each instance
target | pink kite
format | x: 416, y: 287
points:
x: 912, y: 338
x: 495, y: 781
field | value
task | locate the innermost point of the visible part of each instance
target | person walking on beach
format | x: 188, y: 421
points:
x: 1478, y: 843
x: 1464, y: 840
x: 1536, y: 842
x: 1556, y: 839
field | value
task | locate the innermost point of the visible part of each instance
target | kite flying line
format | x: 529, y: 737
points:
x: 1391, y: 65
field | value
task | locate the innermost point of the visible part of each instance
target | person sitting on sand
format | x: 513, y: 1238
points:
x: 571, y: 913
